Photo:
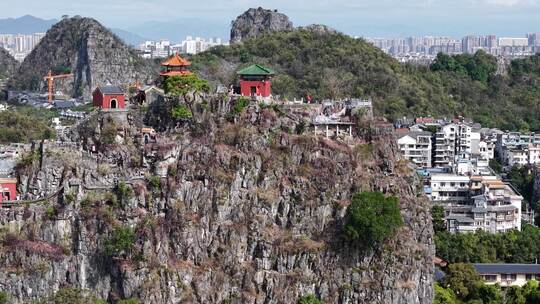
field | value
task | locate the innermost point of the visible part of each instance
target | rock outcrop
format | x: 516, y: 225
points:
x: 228, y: 208
x: 87, y: 49
x: 8, y: 64
x: 253, y: 22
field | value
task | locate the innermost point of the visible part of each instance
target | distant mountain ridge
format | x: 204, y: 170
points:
x: 93, y: 54
x: 29, y: 24
x: 25, y: 25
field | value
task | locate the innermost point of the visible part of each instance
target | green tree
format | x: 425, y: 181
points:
x: 488, y: 294
x: 181, y: 112
x: 124, y: 192
x: 3, y: 298
x: 372, y: 217
x: 437, y: 215
x: 443, y: 295
x: 514, y: 295
x: 120, y: 242
x: 309, y: 299
x: 462, y: 279
x: 187, y: 88
x: 495, y: 165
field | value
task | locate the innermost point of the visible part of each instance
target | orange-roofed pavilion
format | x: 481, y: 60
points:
x: 175, y: 66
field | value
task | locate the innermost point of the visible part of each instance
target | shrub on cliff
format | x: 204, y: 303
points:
x: 120, y: 241
x: 372, y: 217
x: 309, y: 299
x: 181, y: 112
x: 70, y: 296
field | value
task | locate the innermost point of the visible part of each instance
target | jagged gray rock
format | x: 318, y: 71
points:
x: 319, y: 29
x: 90, y: 51
x: 243, y: 212
x: 253, y: 22
x: 8, y: 64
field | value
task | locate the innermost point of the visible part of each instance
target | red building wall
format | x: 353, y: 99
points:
x: 120, y: 101
x: 104, y: 101
x: 257, y: 88
x: 11, y: 188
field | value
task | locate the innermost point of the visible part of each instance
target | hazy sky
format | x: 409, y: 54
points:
x: 363, y: 18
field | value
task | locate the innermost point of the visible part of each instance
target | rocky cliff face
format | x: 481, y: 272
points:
x: 91, y: 52
x: 8, y: 64
x: 253, y: 22
x: 226, y: 209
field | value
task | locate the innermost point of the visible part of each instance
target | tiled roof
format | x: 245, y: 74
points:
x: 176, y: 60
x: 256, y: 70
x: 507, y: 268
x: 176, y: 73
x: 111, y: 90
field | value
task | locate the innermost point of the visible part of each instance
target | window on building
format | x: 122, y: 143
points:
x: 513, y: 277
x: 528, y: 277
x: 504, y: 276
x: 490, y: 278
x: 452, y: 184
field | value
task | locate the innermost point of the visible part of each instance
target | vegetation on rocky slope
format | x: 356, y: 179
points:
x: 332, y: 65
x: 23, y: 125
x: 230, y: 206
x: 371, y: 218
x: 8, y: 64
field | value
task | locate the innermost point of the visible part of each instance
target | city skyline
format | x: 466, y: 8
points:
x: 383, y: 18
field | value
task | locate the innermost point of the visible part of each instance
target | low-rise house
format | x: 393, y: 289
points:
x: 109, y: 97
x: 8, y: 189
x: 507, y: 275
x: 416, y: 147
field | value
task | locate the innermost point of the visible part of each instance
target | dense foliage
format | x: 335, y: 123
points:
x: 23, y: 125
x: 482, y: 247
x: 333, y: 65
x: 480, y: 293
x: 479, y: 66
x: 372, y: 217
x: 522, y: 178
x: 437, y: 215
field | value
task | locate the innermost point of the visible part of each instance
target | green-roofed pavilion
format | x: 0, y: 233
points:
x: 255, y: 80
x: 256, y: 70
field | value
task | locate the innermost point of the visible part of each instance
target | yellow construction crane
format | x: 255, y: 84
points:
x: 50, y: 82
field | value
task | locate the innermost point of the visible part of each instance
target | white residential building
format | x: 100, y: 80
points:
x: 416, y: 146
x: 517, y: 157
x: 507, y: 275
x: 486, y: 149
x: 445, y: 146
x: 449, y: 187
x: 494, y: 206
